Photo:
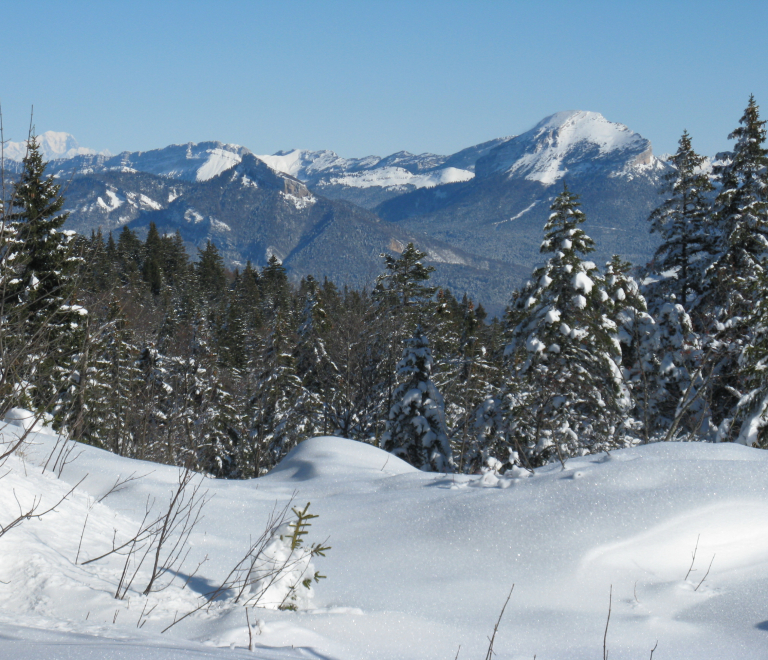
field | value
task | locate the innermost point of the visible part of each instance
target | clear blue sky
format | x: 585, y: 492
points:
x: 365, y: 77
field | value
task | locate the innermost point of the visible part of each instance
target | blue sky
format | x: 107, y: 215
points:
x: 367, y: 77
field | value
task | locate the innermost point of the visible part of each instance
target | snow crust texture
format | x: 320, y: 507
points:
x: 420, y: 562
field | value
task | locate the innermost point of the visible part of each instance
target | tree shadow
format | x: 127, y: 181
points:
x: 762, y: 625
x: 204, y: 586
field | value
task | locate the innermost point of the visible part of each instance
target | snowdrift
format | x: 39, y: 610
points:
x: 420, y: 563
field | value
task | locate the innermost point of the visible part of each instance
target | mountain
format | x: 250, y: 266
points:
x: 251, y: 212
x: 479, y: 213
x: 53, y: 145
x: 501, y: 211
x: 372, y: 180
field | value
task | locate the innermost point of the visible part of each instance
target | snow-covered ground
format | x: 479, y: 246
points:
x: 420, y: 563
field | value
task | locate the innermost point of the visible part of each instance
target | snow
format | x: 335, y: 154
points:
x: 218, y: 225
x: 521, y: 214
x: 115, y: 201
x: 544, y: 153
x: 582, y: 282
x: 151, y: 203
x: 299, y: 202
x: 53, y: 144
x: 397, y: 177
x: 420, y: 562
x: 217, y: 161
x: 552, y: 316
x: 190, y: 215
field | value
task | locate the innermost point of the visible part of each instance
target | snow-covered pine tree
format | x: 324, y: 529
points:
x: 415, y: 430
x: 564, y: 352
x: 314, y: 366
x: 44, y: 284
x: 752, y: 409
x: 682, y: 222
x: 659, y: 360
x: 403, y: 296
x: 467, y: 376
x: 727, y: 305
x: 119, y: 379
x: 278, y: 421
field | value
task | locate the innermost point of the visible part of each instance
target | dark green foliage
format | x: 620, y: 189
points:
x: 682, y: 221
x: 563, y: 351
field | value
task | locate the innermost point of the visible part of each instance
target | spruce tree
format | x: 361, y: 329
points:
x: 564, y: 352
x: 727, y: 310
x: 740, y: 218
x: 682, y: 223
x: 45, y: 266
x: 415, y: 430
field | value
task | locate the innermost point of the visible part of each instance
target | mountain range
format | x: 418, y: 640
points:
x: 478, y: 213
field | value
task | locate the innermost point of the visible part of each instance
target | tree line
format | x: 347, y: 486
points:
x: 132, y: 346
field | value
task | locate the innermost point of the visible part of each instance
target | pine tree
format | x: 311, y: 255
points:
x: 659, y: 357
x: 564, y: 350
x: 682, y: 223
x: 741, y: 217
x: 44, y: 283
x: 415, y: 430
x: 211, y: 274
x: 313, y: 364
x: 152, y: 269
x: 403, y: 297
x: 273, y: 284
x: 277, y: 403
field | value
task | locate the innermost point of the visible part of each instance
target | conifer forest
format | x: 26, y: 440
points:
x: 132, y: 346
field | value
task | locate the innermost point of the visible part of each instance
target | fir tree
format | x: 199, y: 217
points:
x: 44, y: 282
x: 415, y: 430
x: 278, y: 422
x: 741, y: 217
x: 682, y: 223
x: 564, y: 350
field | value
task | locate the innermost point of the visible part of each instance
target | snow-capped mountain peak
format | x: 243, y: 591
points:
x: 568, y: 141
x: 53, y: 145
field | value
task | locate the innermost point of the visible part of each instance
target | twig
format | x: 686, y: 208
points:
x: 653, y: 649
x: 118, y: 485
x: 489, y: 655
x: 705, y: 574
x: 693, y: 558
x: 80, y: 545
x: 457, y: 653
x: 250, y: 631
x: 607, y: 621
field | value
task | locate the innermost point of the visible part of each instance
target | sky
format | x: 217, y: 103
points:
x: 366, y: 77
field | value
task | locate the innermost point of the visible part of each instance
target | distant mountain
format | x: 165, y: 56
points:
x: 501, y: 211
x: 251, y: 212
x: 53, y: 145
x: 479, y: 213
x: 371, y: 180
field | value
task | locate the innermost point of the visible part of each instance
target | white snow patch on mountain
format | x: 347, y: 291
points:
x: 218, y: 161
x: 53, y: 145
x: 518, y: 215
x: 302, y: 163
x: 190, y: 215
x: 115, y: 201
x: 299, y: 202
x: 397, y: 177
x: 218, y: 225
x: 151, y: 203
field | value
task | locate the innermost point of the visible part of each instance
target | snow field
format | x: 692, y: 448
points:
x: 420, y: 563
